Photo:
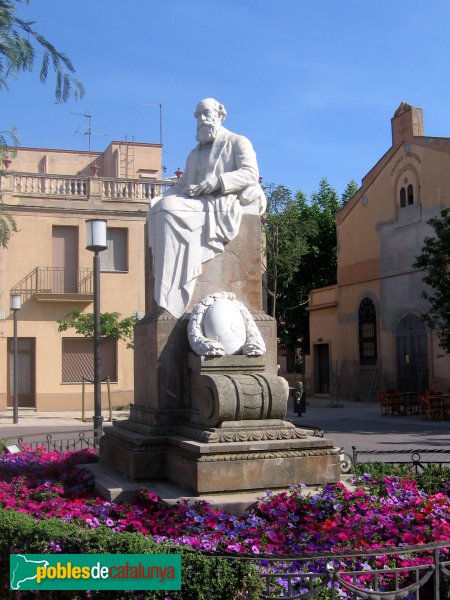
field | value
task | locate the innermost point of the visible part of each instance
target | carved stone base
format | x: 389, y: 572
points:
x: 251, y: 470
x: 162, y: 375
x: 234, y: 388
x: 247, y: 455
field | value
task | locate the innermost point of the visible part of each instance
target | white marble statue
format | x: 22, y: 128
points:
x: 192, y: 221
x: 219, y: 324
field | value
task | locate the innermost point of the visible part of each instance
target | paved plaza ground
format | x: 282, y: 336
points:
x: 347, y: 423
x: 361, y: 424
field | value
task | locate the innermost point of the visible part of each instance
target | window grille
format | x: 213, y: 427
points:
x: 367, y: 332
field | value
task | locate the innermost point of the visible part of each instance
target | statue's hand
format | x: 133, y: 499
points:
x: 207, y: 186
x: 209, y: 347
x: 253, y: 349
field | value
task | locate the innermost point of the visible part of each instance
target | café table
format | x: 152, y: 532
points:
x: 401, y: 403
x: 435, y: 407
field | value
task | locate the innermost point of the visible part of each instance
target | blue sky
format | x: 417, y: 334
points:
x: 312, y: 83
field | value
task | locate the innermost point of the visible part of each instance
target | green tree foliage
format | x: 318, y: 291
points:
x: 7, y: 223
x: 322, y: 256
x: 318, y: 267
x: 111, y: 326
x: 350, y: 189
x: 313, y: 265
x: 19, y: 45
x: 7, y: 226
x: 286, y: 240
x: 435, y: 261
x: 8, y: 139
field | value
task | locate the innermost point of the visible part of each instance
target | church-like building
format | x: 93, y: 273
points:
x: 367, y: 331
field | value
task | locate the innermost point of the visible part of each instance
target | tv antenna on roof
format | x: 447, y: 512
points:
x: 88, y: 131
x: 160, y: 118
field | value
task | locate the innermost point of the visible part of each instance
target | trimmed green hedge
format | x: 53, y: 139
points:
x: 203, y: 577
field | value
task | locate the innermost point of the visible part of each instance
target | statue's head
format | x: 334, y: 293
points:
x: 210, y: 115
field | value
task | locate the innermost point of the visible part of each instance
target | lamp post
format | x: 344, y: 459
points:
x: 96, y: 243
x: 16, y: 305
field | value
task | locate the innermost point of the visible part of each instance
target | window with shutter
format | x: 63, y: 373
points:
x: 78, y: 360
x: 115, y: 257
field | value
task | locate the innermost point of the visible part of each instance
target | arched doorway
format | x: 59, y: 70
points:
x: 412, y: 354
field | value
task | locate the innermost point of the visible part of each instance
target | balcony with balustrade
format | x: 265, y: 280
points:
x: 77, y: 195
x: 66, y: 186
x: 57, y: 284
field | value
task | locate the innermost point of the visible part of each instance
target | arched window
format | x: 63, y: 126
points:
x: 410, y: 194
x: 402, y: 197
x: 367, y: 317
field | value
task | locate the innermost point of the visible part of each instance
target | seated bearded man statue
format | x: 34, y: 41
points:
x: 192, y: 221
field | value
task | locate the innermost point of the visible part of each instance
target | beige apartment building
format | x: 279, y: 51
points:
x: 51, y: 193
x: 367, y: 332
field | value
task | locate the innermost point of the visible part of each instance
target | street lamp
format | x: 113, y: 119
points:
x: 16, y: 305
x: 96, y: 243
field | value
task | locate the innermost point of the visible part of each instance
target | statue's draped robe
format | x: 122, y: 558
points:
x: 185, y: 232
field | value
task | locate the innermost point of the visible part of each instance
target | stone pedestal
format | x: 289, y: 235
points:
x: 160, y: 370
x: 241, y: 456
x: 230, y: 435
x: 214, y: 424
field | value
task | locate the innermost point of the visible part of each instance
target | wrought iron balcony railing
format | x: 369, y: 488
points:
x: 56, y: 280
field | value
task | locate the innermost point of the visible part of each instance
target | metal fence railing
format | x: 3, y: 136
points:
x: 59, y: 441
x: 422, y: 572
x: 418, y: 458
x: 56, y: 280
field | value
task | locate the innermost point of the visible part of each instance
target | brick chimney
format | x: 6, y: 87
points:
x: 406, y: 123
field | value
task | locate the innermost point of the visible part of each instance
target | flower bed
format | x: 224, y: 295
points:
x: 390, y: 512
x: 379, y: 513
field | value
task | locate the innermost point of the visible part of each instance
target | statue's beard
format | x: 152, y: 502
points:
x: 207, y: 132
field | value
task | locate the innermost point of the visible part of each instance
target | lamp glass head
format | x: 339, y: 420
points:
x: 96, y: 235
x: 16, y: 301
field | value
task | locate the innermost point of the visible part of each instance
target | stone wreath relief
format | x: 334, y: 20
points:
x: 220, y: 325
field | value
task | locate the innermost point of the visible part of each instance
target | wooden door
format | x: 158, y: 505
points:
x: 65, y: 260
x: 412, y: 355
x: 26, y: 372
x: 322, y: 369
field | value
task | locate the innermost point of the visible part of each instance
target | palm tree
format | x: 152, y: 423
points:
x: 18, y: 44
x: 7, y: 226
x: 7, y: 222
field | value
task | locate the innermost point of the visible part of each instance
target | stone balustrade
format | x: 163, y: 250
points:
x: 131, y: 188
x: 83, y: 187
x: 51, y: 185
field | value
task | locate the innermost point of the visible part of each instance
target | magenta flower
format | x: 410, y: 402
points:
x: 47, y: 484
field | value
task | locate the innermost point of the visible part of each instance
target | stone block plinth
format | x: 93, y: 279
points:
x: 238, y: 456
